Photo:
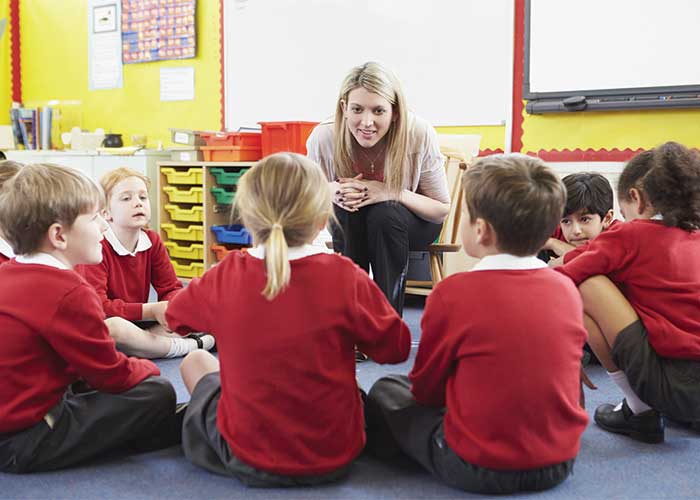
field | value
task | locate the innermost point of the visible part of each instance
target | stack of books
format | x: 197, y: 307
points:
x: 32, y: 127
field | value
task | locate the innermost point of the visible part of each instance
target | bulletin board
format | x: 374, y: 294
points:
x: 157, y: 30
x: 285, y: 59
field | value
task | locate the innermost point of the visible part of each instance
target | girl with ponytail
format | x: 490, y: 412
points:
x: 640, y: 283
x: 281, y: 406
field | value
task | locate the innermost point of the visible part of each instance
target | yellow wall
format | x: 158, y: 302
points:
x: 610, y: 129
x: 54, y: 53
x: 492, y: 137
x: 5, y: 75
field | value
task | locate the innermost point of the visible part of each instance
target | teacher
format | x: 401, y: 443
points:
x: 386, y: 176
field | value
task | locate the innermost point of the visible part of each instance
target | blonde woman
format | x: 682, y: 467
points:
x: 257, y: 413
x: 385, y: 174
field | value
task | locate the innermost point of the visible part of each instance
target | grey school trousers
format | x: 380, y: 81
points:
x: 395, y: 422
x: 85, y: 424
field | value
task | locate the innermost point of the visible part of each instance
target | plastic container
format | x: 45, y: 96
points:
x: 285, y: 136
x: 231, y: 153
x: 235, y: 234
x: 188, y: 270
x: 227, y: 177
x: 192, y: 175
x: 223, y: 196
x: 229, y: 139
x: 195, y: 251
x: 194, y: 214
x: 189, y: 233
x: 187, y: 136
x: 191, y: 195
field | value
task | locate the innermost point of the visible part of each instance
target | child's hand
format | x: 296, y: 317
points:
x: 559, y: 261
x: 159, y: 309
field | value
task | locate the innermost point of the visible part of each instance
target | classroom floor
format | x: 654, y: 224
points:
x: 608, y: 466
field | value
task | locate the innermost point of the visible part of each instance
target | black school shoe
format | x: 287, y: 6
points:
x: 647, y: 426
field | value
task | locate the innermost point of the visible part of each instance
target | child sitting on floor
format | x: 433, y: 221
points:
x: 492, y: 402
x: 8, y: 169
x: 134, y: 258
x: 281, y: 406
x: 640, y: 283
x: 588, y: 212
x: 66, y: 395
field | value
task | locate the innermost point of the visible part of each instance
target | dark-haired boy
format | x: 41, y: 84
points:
x: 67, y: 395
x: 492, y: 402
x: 588, y: 212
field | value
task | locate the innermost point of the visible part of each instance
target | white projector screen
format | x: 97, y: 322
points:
x: 610, y: 47
x: 285, y: 59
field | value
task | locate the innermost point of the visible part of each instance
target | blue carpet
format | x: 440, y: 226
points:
x: 608, y: 466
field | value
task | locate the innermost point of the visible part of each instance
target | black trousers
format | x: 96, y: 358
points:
x: 84, y: 424
x: 380, y: 236
x: 395, y: 423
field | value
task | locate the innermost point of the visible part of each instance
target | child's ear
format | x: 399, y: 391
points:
x: 106, y: 215
x: 607, y: 220
x: 638, y: 200
x: 57, y: 236
x: 485, y: 235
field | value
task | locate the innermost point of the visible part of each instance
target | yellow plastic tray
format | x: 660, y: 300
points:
x: 191, y: 195
x: 192, y: 175
x: 195, y: 251
x: 190, y: 233
x: 191, y: 270
x: 194, y: 214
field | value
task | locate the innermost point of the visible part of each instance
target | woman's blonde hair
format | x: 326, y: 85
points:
x: 283, y: 200
x: 379, y: 80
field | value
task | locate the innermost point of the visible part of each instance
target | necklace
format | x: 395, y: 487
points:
x: 371, y: 161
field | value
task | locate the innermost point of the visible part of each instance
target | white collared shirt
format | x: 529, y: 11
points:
x: 505, y: 261
x: 44, y: 259
x: 293, y: 253
x: 6, y: 249
x: 144, y: 243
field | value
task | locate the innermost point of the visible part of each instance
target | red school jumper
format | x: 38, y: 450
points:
x: 501, y: 349
x: 123, y: 281
x: 54, y: 333
x: 289, y: 399
x: 657, y: 268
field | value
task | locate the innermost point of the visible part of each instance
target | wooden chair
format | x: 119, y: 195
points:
x: 459, y: 150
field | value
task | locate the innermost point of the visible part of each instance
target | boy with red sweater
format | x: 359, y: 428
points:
x: 134, y: 257
x: 66, y: 393
x: 492, y: 402
x: 8, y: 168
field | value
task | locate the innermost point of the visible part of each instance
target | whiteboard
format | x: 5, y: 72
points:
x: 611, y: 45
x: 286, y: 59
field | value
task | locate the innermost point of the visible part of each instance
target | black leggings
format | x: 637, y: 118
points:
x: 381, y: 236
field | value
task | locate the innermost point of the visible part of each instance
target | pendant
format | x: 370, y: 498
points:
x: 371, y: 167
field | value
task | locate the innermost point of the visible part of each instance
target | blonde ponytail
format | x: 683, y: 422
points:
x: 282, y: 200
x: 276, y: 262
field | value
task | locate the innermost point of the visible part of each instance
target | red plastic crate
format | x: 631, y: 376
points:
x: 220, y: 139
x: 285, y: 136
x: 231, y: 153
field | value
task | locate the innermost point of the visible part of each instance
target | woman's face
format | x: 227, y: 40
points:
x: 368, y: 116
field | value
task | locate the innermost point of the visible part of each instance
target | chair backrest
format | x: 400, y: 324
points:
x: 459, y: 151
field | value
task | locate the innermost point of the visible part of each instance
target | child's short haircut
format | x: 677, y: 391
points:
x: 283, y: 201
x: 588, y: 191
x: 114, y: 177
x: 8, y: 169
x: 668, y: 177
x: 519, y: 196
x: 40, y: 195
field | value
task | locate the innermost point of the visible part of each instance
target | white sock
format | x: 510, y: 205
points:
x: 636, y: 405
x: 180, y: 346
